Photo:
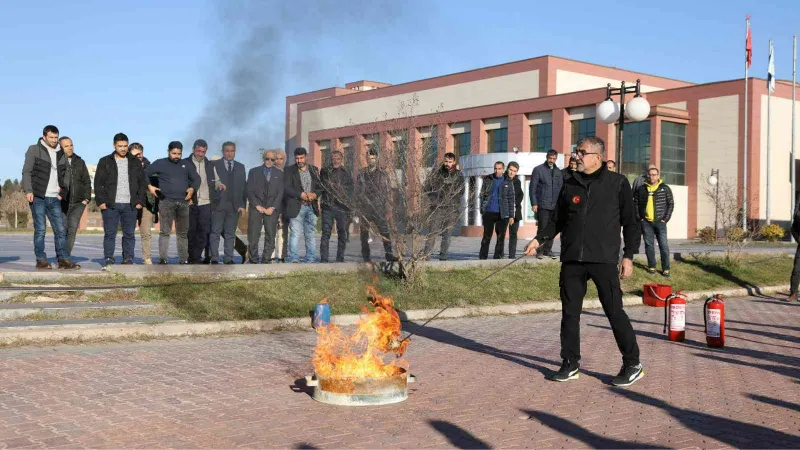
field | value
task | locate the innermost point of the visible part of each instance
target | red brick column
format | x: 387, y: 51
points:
x: 479, y: 143
x: 562, y: 133
x: 519, y: 133
x: 444, y: 140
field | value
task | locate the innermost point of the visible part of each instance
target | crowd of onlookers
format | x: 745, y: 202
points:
x: 202, y: 200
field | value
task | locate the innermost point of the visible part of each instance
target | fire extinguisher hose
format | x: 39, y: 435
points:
x: 653, y: 291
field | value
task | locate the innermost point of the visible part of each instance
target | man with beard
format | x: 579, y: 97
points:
x: 373, y: 192
x: 302, y: 189
x: 43, y: 183
x: 546, y: 181
x: 78, y: 187
x: 177, y: 182
x: 444, y: 188
x: 119, y: 192
x: 593, y: 203
x: 337, y: 183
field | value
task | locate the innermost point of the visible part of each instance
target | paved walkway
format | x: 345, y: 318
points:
x: 16, y: 250
x: 480, y: 384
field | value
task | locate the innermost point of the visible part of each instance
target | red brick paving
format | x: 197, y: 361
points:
x: 480, y: 383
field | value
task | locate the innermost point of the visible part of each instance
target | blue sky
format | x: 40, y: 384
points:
x: 148, y: 68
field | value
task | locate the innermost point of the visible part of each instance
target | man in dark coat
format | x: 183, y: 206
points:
x: 265, y: 194
x: 497, y: 209
x: 444, y: 188
x: 301, y: 191
x: 546, y: 181
x: 78, y: 187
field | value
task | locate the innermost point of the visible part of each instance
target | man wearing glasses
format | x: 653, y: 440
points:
x: 265, y: 194
x: 591, y: 207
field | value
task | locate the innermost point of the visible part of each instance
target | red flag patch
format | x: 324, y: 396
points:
x: 576, y: 199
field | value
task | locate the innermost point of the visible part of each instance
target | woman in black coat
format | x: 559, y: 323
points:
x: 513, y: 224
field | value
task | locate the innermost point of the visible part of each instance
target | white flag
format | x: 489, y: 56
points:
x: 771, y: 70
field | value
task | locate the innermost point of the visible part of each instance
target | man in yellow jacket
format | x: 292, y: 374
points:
x: 653, y: 203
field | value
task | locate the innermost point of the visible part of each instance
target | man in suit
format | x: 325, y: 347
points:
x: 265, y: 193
x: 302, y: 189
x: 231, y: 201
x: 202, y: 202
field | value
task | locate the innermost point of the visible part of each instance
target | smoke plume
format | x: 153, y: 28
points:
x: 262, y: 47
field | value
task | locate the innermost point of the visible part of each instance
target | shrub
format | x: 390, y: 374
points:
x: 773, y: 232
x: 706, y: 235
x: 735, y: 234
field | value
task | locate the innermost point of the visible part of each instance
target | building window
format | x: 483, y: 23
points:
x: 497, y: 140
x: 541, y: 137
x: 673, y: 152
x: 325, y: 148
x: 635, y: 148
x: 582, y: 128
x: 461, y: 144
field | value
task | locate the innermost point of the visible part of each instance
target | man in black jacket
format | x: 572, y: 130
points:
x: 372, y: 194
x: 337, y: 184
x: 497, y: 208
x: 43, y: 182
x: 265, y: 194
x: 301, y: 191
x: 119, y: 189
x: 78, y: 188
x: 229, y: 203
x: 546, y: 181
x: 591, y: 207
x: 177, y: 182
x: 794, y: 281
x: 443, y: 188
x: 203, y: 202
x: 653, y: 204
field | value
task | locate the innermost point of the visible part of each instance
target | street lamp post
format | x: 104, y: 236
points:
x: 610, y: 111
x: 713, y: 180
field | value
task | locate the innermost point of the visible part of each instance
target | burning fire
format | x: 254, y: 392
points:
x: 359, y: 355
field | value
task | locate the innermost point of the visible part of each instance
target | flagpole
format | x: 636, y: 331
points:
x: 794, y: 161
x: 744, y: 165
x: 769, y: 131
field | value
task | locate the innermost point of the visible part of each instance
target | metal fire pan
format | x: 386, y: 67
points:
x: 361, y: 391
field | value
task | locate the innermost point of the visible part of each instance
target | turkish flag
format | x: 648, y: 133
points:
x: 748, y: 45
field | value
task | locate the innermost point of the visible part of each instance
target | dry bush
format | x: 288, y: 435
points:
x: 726, y: 201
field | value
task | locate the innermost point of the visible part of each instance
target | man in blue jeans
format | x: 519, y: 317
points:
x: 119, y: 191
x: 302, y: 189
x: 43, y: 182
x: 653, y: 203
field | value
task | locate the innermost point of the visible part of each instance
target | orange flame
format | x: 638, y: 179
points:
x: 359, y: 355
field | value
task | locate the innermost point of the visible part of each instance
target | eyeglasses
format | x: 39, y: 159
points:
x: 269, y: 159
x: 583, y: 153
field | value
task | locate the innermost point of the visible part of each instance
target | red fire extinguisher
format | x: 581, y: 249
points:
x: 675, y: 317
x: 714, y: 320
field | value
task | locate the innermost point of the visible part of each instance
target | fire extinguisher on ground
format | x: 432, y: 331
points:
x: 675, y: 317
x: 714, y: 320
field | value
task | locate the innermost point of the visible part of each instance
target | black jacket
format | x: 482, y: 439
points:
x: 663, y: 204
x: 235, y: 194
x: 507, y: 198
x: 78, y: 181
x: 293, y: 187
x: 589, y: 218
x: 210, y: 178
x: 518, y: 197
x: 36, y: 170
x: 261, y: 193
x: 444, y: 186
x: 337, y: 184
x: 105, y: 181
x: 373, y: 192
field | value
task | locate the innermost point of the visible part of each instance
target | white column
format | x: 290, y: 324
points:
x: 524, y: 199
x: 465, y: 204
x: 478, y: 187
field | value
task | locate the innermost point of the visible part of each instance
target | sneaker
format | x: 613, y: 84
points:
x: 42, y: 264
x: 628, y: 375
x: 163, y: 261
x: 66, y: 264
x: 147, y: 262
x: 651, y: 270
x: 127, y: 261
x: 791, y: 298
x: 109, y: 261
x: 568, y: 371
x: 665, y: 273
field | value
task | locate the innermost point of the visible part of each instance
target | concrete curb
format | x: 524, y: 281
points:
x: 89, y: 332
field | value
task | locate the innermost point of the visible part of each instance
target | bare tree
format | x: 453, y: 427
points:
x: 406, y: 199
x: 729, y: 212
x: 16, y: 209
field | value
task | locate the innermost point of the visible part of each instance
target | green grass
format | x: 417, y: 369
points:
x: 295, y: 295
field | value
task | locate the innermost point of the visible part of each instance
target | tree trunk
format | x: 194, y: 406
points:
x: 15, y: 218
